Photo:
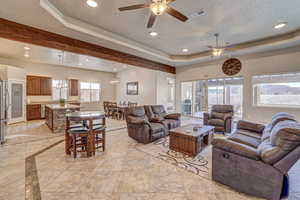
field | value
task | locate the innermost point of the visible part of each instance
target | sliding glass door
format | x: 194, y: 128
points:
x: 199, y: 96
x: 186, y: 98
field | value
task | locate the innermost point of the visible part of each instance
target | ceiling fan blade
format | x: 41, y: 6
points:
x: 151, y: 20
x: 176, y: 14
x: 134, y: 7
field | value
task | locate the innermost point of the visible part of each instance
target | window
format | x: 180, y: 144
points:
x: 59, y: 89
x: 280, y: 90
x: 89, y: 92
x: 199, y: 96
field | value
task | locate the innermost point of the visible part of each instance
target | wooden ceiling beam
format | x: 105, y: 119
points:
x: 27, y: 34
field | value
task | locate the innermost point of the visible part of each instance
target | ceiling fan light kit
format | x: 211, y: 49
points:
x: 216, y: 52
x: 158, y: 7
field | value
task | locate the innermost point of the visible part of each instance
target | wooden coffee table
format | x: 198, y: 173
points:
x: 188, y: 141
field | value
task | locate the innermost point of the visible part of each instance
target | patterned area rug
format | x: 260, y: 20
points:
x: 199, y: 165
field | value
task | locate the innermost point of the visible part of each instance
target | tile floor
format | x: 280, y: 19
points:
x: 121, y: 173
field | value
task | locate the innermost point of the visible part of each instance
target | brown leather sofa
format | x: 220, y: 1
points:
x: 220, y: 117
x: 255, y: 159
x: 145, y: 127
x: 157, y: 113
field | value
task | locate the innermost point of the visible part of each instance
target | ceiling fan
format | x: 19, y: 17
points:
x: 218, y: 50
x: 157, y: 7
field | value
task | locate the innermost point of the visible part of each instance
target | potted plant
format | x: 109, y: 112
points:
x: 62, y: 102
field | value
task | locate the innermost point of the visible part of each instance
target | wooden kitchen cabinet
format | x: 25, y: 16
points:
x: 39, y: 86
x: 33, y: 86
x: 74, y: 87
x: 46, y: 86
x: 33, y: 111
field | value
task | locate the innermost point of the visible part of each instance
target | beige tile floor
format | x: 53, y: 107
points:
x: 36, y: 130
x: 121, y: 173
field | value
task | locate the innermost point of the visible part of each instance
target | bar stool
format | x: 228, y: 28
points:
x: 99, y: 132
x: 78, y: 139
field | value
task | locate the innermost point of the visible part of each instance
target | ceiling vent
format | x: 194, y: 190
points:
x: 197, y: 14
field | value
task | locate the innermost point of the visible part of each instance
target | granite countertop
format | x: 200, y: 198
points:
x: 51, y: 102
x: 59, y: 107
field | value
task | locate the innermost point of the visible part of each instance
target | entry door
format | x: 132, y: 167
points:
x: 16, y: 111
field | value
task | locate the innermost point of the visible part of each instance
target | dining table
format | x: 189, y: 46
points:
x: 87, y: 118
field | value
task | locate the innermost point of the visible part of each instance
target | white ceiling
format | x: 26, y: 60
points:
x: 237, y: 22
x: 38, y: 54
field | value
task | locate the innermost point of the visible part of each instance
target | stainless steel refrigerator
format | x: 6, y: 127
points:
x: 3, y: 110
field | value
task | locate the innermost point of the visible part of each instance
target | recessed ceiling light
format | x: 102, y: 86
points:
x: 185, y: 50
x: 280, y: 25
x: 26, y: 55
x: 87, y: 60
x: 27, y: 48
x: 153, y: 33
x: 92, y: 3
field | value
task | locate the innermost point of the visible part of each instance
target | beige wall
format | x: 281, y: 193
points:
x: 60, y: 72
x: 266, y: 65
x: 152, y: 86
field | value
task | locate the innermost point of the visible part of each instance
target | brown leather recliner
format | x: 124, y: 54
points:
x: 220, y: 117
x: 157, y: 113
x: 255, y: 159
x: 140, y: 128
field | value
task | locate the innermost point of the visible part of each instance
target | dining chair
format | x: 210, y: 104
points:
x: 105, y: 106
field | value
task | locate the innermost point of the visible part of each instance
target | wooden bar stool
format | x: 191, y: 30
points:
x: 99, y: 132
x: 78, y: 140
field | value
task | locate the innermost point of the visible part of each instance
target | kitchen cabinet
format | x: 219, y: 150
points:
x: 46, y: 86
x: 74, y: 87
x: 33, y: 86
x: 33, y: 111
x: 39, y: 86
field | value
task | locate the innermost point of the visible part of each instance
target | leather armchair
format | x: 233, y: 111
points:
x: 255, y: 159
x: 157, y: 113
x: 220, y: 117
x: 140, y: 128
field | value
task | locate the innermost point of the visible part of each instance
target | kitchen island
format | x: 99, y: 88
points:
x: 55, y: 115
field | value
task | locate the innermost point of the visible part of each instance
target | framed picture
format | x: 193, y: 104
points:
x: 133, y: 88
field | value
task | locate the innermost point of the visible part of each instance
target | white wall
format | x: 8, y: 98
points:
x: 266, y: 65
x: 152, y: 86
x: 61, y: 73
x: 162, y: 88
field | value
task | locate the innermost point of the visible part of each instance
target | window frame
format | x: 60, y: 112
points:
x: 90, y: 91
x: 255, y: 92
